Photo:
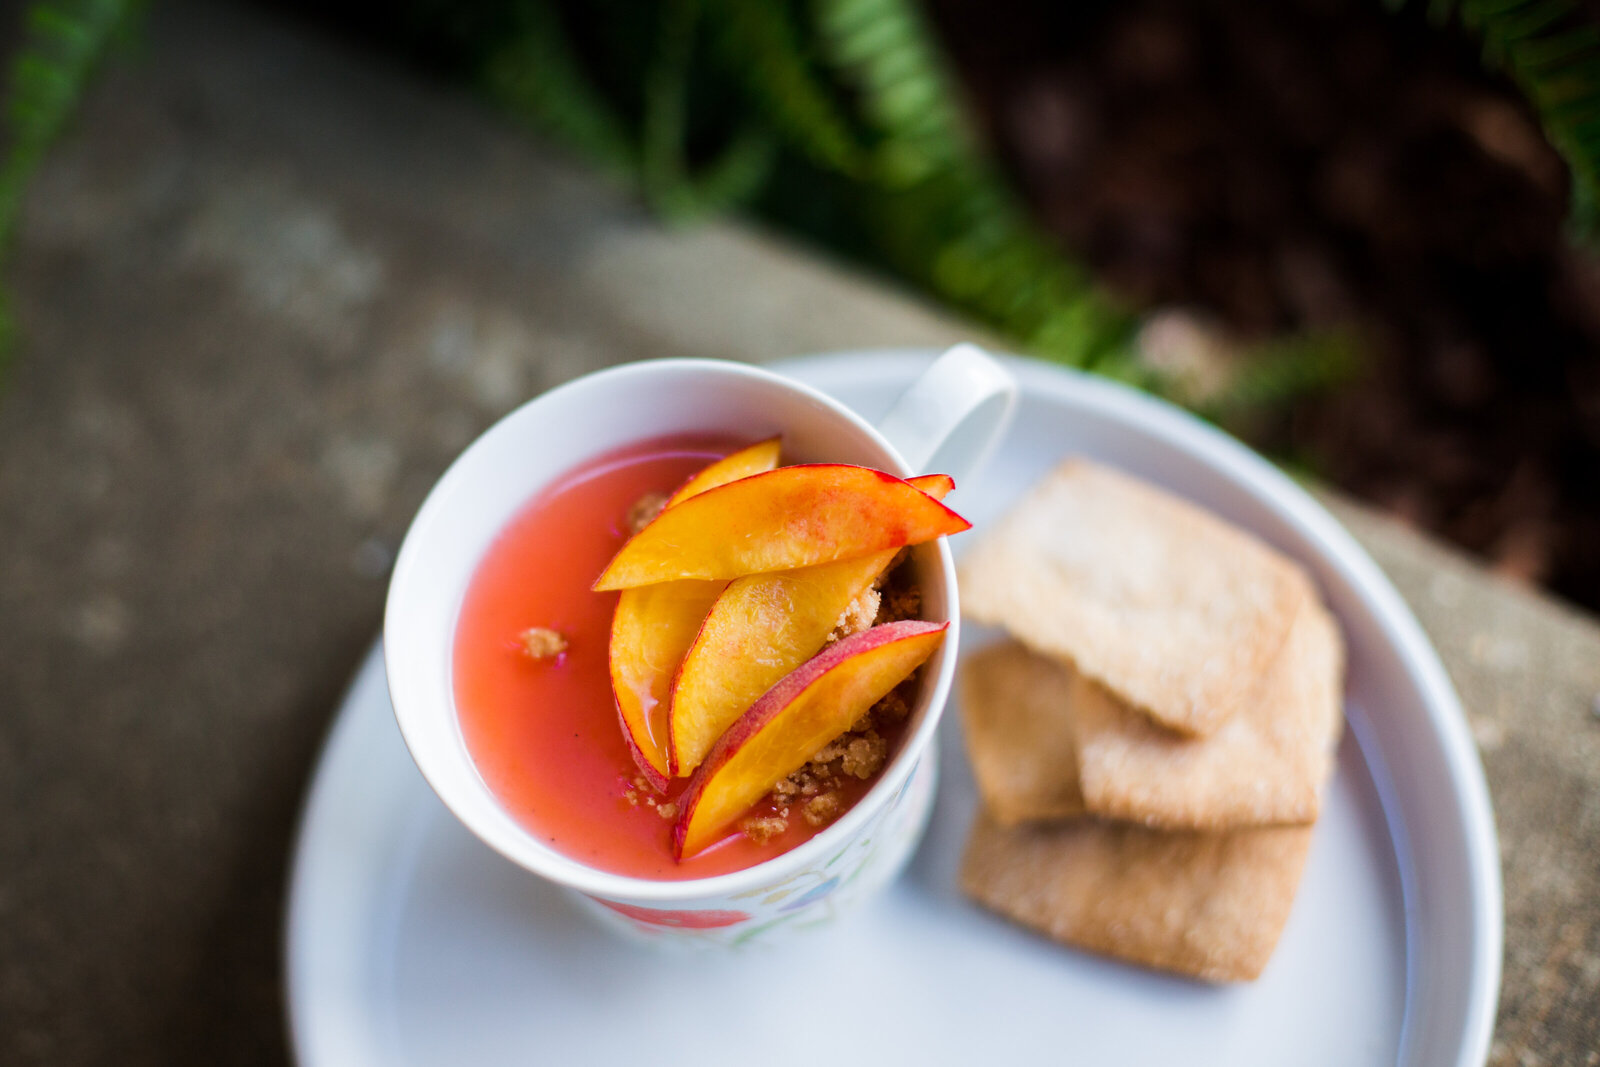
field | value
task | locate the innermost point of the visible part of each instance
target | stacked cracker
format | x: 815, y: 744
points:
x: 1151, y: 742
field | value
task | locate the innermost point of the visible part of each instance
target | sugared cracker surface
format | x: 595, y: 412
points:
x: 1177, y: 681
x: 1046, y: 742
x: 1210, y: 905
x: 1173, y: 610
x: 1264, y: 766
x: 1016, y: 712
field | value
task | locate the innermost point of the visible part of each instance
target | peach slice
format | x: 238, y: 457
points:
x: 756, y: 459
x: 652, y: 628
x: 762, y: 627
x: 654, y: 625
x: 937, y: 486
x: 789, y: 517
x: 782, y: 731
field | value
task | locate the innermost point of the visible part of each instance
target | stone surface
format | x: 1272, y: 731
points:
x: 267, y: 290
x: 1528, y: 672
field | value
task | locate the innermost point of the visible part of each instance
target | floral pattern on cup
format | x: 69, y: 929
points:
x: 707, y: 919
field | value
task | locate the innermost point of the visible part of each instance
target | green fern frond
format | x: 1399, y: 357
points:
x: 664, y: 134
x: 1551, y: 50
x: 941, y: 214
x: 884, y: 51
x: 733, y: 177
x: 760, y: 45
x: 65, y: 40
x: 536, y: 76
x: 737, y: 175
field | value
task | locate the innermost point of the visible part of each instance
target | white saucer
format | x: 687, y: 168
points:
x: 409, y: 942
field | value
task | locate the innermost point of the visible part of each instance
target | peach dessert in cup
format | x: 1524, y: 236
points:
x: 676, y: 637
x: 684, y: 658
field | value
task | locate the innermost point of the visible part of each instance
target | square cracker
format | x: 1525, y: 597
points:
x: 1208, y: 905
x: 1173, y: 610
x: 1263, y: 766
x: 1016, y: 714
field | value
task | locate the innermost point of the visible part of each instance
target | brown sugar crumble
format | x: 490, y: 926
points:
x: 644, y: 511
x: 899, y: 604
x: 763, y: 829
x: 540, y: 643
x: 858, y: 615
x: 893, y: 708
x: 641, y: 790
x: 864, y: 755
x: 819, y: 811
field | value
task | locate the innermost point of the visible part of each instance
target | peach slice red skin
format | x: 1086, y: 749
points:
x: 786, y: 518
x: 780, y: 732
x: 653, y: 626
x: 659, y: 780
x: 762, y: 627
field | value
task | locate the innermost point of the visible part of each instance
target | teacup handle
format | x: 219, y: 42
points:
x: 951, y: 418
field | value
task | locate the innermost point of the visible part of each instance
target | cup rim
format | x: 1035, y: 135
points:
x: 582, y: 877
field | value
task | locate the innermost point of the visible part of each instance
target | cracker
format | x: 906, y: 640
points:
x: 1208, y: 905
x: 1020, y: 740
x: 1173, y: 610
x: 1263, y: 766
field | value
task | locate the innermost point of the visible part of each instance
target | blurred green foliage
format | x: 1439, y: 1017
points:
x: 836, y: 118
x: 840, y: 119
x: 64, y: 41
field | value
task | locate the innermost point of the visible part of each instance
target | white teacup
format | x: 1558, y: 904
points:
x: 948, y: 421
